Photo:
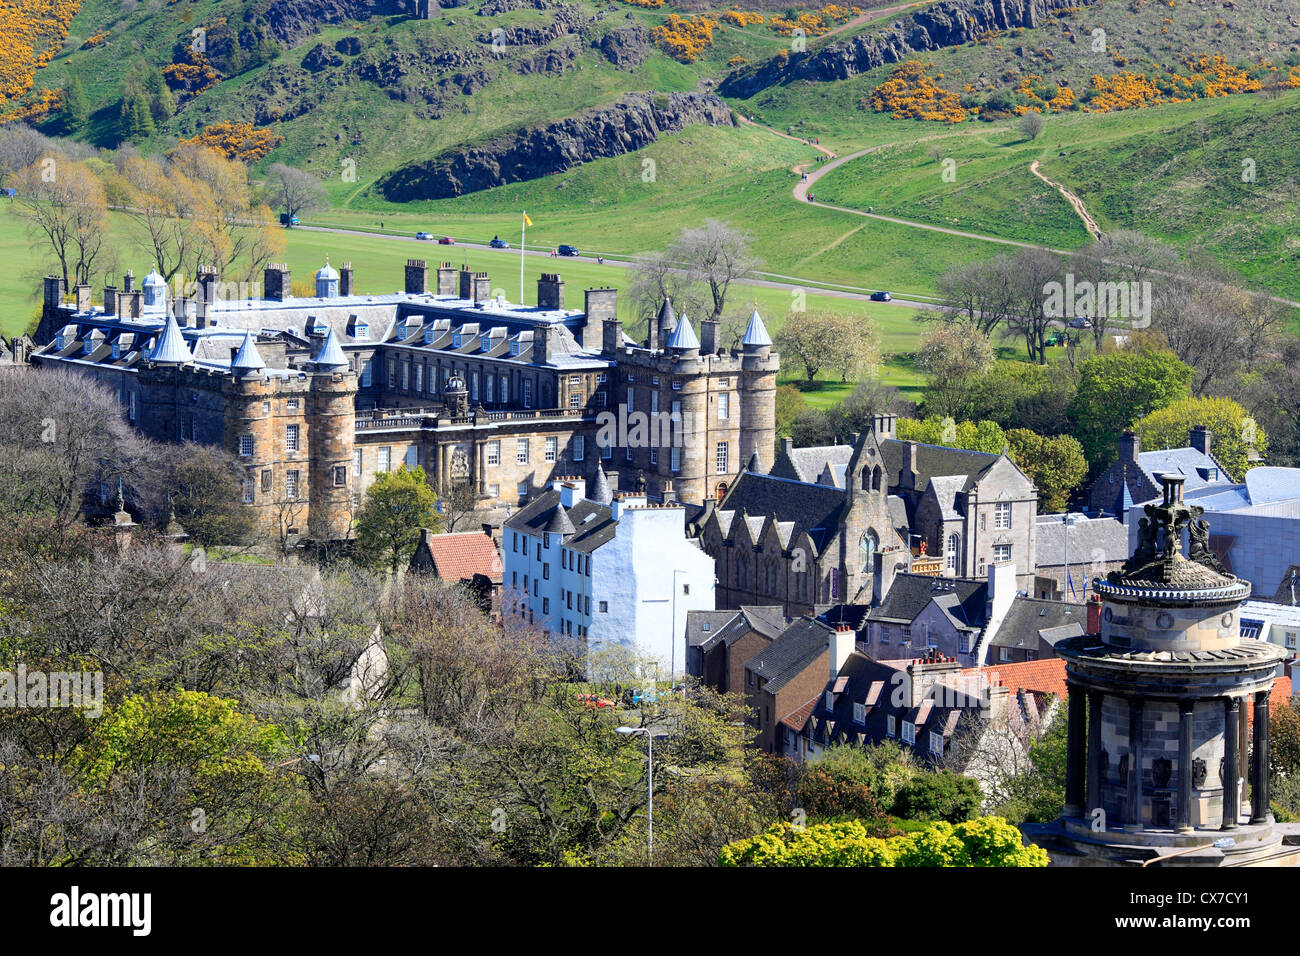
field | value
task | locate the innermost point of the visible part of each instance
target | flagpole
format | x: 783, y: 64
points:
x: 523, y: 227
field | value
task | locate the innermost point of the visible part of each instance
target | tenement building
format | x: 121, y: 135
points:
x: 1168, y: 737
x: 316, y: 395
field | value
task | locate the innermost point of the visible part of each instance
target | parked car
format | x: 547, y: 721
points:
x: 499, y: 243
x: 881, y: 297
x: 593, y: 701
x: 567, y: 250
x: 288, y: 220
x: 424, y: 235
x: 446, y: 241
x: 1080, y: 323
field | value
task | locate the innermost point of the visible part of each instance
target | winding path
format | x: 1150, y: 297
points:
x: 1088, y: 222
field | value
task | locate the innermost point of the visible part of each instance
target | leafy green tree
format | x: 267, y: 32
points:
x: 75, y: 110
x: 1235, y: 432
x: 397, y: 505
x: 988, y: 841
x: 982, y: 436
x: 1054, y: 463
x: 1036, y: 794
x: 1118, y: 388
x: 938, y: 796
x: 955, y: 356
x: 1025, y: 395
x: 135, y: 117
x: 854, y: 781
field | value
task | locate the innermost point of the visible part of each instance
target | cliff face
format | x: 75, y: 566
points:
x: 950, y: 23
x: 636, y: 120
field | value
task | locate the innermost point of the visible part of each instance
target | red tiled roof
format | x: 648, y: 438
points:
x: 795, y: 720
x: 1046, y: 676
x: 458, y: 557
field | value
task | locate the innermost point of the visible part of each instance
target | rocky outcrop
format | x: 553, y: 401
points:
x: 626, y: 47
x: 292, y: 21
x: 636, y: 120
x: 320, y: 58
x: 945, y: 24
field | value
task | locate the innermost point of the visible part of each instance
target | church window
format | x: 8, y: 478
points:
x: 951, y: 558
x: 868, y: 546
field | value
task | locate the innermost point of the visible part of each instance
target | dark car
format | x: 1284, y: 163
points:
x: 881, y: 297
x: 499, y: 243
x: 567, y: 250
x: 446, y: 241
x: 1080, y: 323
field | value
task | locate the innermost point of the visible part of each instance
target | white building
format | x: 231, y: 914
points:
x: 1276, y: 623
x: 609, y: 571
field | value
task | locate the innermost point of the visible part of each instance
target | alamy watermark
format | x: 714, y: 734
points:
x: 83, y: 690
x: 1087, y: 300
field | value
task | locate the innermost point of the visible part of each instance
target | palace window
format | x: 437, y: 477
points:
x: 291, y: 485
x: 521, y: 451
x: 356, y: 463
x: 245, y: 446
x: 367, y: 373
x: 724, y: 406
x: 579, y: 447
x: 1002, y: 552
x: 528, y: 393
x: 487, y: 386
x: 419, y: 378
x: 552, y: 449
x: 1002, y: 514
x: 385, y: 460
x: 721, y: 457
x: 494, y: 453
x: 675, y: 458
x: 250, y: 490
x: 291, y: 438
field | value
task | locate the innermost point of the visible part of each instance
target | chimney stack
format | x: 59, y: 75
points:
x: 275, y: 283
x: 446, y: 279
x: 346, y: 286
x: 1199, y: 438
x: 550, y: 291
x: 709, y: 337
x: 1130, y: 446
x: 417, y: 277
x: 843, y: 639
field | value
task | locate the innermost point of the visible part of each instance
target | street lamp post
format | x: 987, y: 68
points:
x: 650, y: 774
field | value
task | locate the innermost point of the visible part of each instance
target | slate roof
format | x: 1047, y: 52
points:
x: 703, y: 627
x: 1091, y: 540
x: 790, y: 654
x: 807, y: 464
x: 910, y: 594
x: 769, y: 622
x: 1028, y: 618
x: 814, y: 508
x: 594, y: 524
x: 756, y: 331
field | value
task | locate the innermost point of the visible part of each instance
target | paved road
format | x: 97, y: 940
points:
x: 776, y: 282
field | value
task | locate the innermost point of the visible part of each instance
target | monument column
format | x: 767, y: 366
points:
x: 1259, y: 768
x: 1133, y: 811
x: 1231, y: 763
x: 1185, y: 710
x: 1092, y: 796
x: 1074, y: 741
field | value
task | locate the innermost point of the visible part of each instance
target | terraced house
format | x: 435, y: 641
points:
x: 317, y: 395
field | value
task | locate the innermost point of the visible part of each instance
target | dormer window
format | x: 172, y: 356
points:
x: 117, y: 350
x: 485, y: 342
x: 455, y: 340
x: 428, y: 335
x: 60, y: 342
x: 363, y: 330
x: 89, y: 345
x: 514, y: 347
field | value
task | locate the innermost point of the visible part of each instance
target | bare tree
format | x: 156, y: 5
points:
x: 1123, y: 256
x: 295, y: 192
x: 65, y: 206
x: 716, y: 255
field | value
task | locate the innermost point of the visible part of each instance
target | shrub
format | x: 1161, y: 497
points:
x: 938, y: 796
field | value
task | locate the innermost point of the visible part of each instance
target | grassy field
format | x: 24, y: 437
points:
x: 379, y: 263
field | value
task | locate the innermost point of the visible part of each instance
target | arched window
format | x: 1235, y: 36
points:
x: 954, y: 542
x: 721, y: 491
x: 866, y: 479
x: 868, y: 546
x: 875, y: 478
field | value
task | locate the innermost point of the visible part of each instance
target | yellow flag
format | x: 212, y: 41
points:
x: 527, y: 221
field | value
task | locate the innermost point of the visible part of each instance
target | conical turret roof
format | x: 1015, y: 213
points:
x: 683, y: 336
x: 599, y: 491
x: 559, y: 522
x: 247, y: 359
x: 756, y: 331
x: 172, y: 349
x: 330, y: 354
x: 667, y: 318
